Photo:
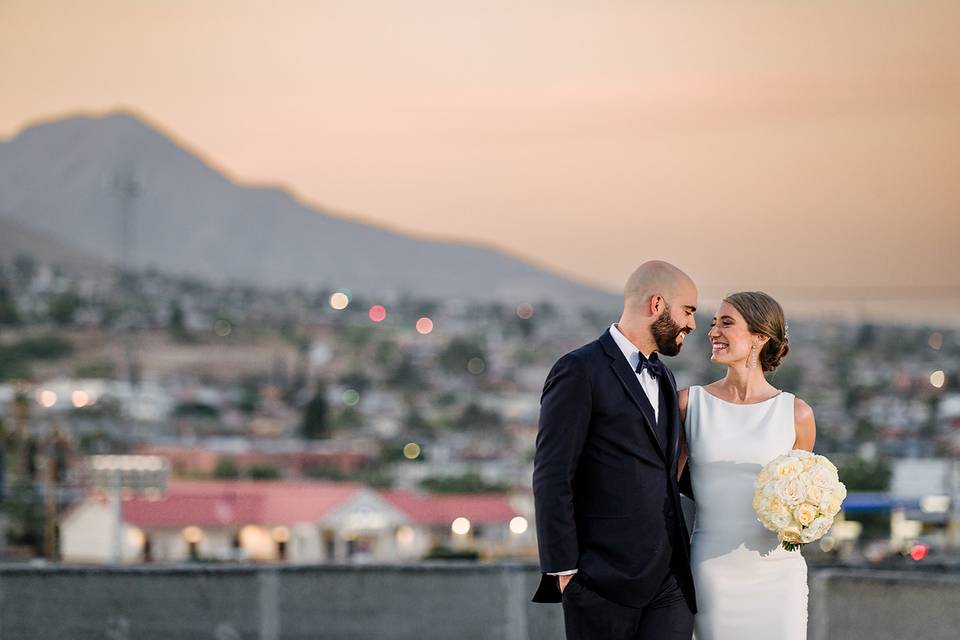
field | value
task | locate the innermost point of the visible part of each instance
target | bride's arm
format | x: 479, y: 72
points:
x: 684, y: 454
x: 805, y: 425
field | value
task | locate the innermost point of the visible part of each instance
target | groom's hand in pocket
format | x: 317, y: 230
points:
x: 564, y: 581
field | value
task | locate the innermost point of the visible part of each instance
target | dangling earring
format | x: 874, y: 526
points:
x: 753, y: 357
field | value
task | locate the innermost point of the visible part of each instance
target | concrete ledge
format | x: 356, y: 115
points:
x: 422, y: 601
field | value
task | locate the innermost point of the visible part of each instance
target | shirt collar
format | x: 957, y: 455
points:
x: 630, y: 352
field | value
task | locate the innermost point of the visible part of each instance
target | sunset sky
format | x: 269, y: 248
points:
x: 810, y: 149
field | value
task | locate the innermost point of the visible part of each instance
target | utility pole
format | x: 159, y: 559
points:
x: 127, y: 188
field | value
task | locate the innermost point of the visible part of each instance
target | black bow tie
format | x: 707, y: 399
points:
x: 651, y: 364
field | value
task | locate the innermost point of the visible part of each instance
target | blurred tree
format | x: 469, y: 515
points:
x: 466, y: 483
x: 249, y: 400
x: 406, y: 376
x: 356, y: 380
x: 48, y: 347
x: 176, y: 323
x: 8, y: 307
x: 458, y: 352
x: 387, y: 354
x: 347, y: 419
x: 62, y: 307
x: 476, y: 417
x: 13, y: 363
x: 866, y: 475
x: 866, y: 337
x: 96, y: 369
x: 415, y: 422
x: 788, y: 377
x: 24, y: 270
x: 865, y: 431
x: 23, y: 509
x: 264, y: 472
x: 315, y: 423
x: 226, y: 468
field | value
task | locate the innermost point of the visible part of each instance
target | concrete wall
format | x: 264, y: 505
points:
x: 427, y: 601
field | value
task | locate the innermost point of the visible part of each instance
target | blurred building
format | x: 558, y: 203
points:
x: 299, y: 522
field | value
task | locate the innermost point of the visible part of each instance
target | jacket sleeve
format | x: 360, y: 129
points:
x: 565, y: 409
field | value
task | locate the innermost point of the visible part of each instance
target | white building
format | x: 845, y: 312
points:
x: 298, y: 522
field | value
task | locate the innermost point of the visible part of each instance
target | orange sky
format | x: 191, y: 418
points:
x: 784, y: 146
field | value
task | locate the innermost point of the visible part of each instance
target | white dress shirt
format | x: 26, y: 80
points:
x: 650, y: 384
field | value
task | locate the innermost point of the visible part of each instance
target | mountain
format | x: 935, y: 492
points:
x: 18, y: 239
x: 70, y: 180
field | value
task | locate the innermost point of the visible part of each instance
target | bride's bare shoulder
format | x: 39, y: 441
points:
x: 805, y: 425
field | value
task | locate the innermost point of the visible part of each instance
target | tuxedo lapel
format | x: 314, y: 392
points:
x: 628, y: 378
x: 669, y: 392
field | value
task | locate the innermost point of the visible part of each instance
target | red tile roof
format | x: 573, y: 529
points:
x: 442, y: 509
x: 233, y: 503
x: 237, y: 503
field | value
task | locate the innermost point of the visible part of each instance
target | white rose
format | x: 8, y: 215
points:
x: 824, y: 461
x: 826, y: 497
x: 791, y: 491
x: 818, y: 528
x: 790, y: 534
x: 805, y: 513
x: 814, y: 494
x: 823, y: 477
x: 789, y: 468
x: 780, y: 517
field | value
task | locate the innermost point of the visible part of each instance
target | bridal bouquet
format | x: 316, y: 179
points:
x: 797, y: 496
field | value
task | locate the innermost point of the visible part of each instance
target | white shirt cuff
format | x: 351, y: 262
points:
x: 569, y: 572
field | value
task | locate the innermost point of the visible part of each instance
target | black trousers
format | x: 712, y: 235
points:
x: 589, y: 616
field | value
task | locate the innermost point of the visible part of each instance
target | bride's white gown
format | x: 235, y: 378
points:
x: 748, y: 586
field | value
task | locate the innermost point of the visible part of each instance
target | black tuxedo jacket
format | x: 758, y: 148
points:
x: 605, y: 490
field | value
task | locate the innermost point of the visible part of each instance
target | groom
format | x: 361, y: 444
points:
x: 613, y: 545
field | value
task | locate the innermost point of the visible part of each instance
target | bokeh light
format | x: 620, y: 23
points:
x: 937, y: 378
x: 936, y: 340
x: 378, y: 313
x: 222, y: 328
x: 524, y: 311
x: 192, y: 534
x: 350, y: 397
x: 476, y: 366
x: 339, y: 301
x: 136, y: 537
x: 411, y: 451
x: 405, y: 536
x: 460, y: 526
x: 919, y: 551
x: 281, y: 534
x: 80, y: 398
x: 518, y: 525
x: 424, y: 325
x: 48, y: 398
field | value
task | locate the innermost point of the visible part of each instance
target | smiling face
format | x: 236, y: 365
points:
x: 730, y: 338
x: 676, y: 319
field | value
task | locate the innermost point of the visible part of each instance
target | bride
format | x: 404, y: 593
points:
x: 748, y: 587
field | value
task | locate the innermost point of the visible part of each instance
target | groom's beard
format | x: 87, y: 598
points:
x: 665, y: 333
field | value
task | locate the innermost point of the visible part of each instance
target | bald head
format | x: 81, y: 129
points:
x: 655, y: 278
x: 658, y: 305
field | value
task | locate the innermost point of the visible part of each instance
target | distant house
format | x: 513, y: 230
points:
x: 299, y: 522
